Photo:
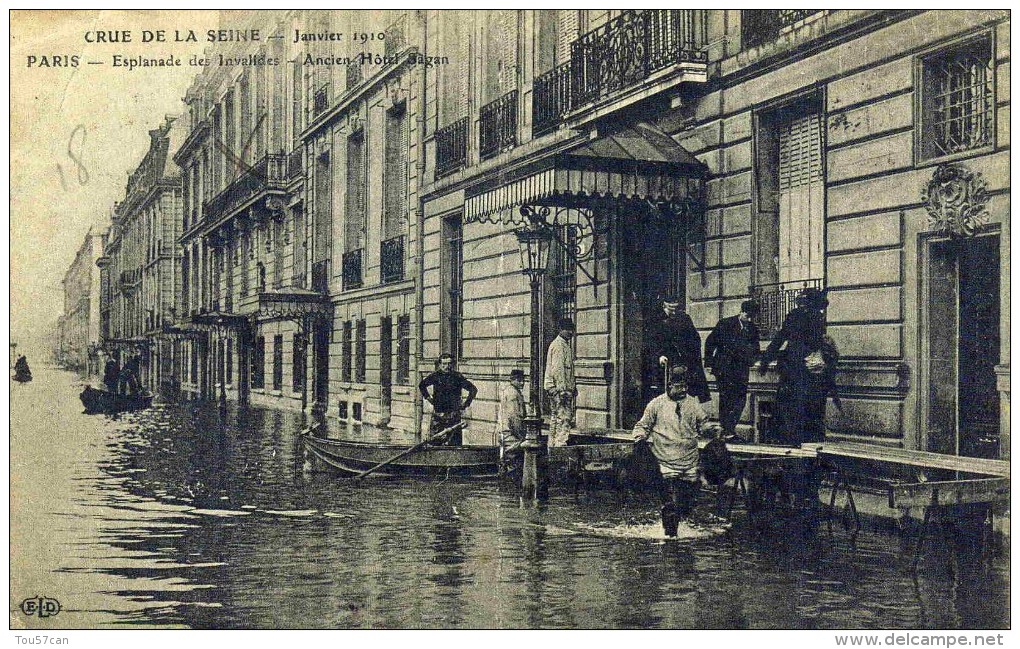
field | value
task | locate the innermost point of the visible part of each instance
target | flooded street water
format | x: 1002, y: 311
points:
x: 176, y: 517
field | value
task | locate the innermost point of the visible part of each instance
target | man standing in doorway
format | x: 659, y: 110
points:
x: 560, y: 384
x: 673, y: 339
x: 730, y: 351
x: 447, y: 408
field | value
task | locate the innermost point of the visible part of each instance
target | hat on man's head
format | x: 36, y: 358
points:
x: 517, y: 374
x: 750, y: 307
x: 566, y: 323
x: 813, y: 298
x: 671, y: 301
x: 678, y: 374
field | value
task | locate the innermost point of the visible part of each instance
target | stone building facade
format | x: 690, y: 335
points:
x: 141, y: 263
x: 865, y: 152
x: 79, y: 324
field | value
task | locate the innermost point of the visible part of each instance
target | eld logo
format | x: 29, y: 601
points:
x: 41, y: 606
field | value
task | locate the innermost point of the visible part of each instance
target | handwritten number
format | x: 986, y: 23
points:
x: 83, y: 173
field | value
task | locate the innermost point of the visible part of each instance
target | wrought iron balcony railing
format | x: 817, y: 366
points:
x: 451, y: 147
x: 296, y: 164
x: 498, y: 125
x: 776, y: 301
x: 351, y: 271
x: 299, y: 280
x: 320, y: 100
x: 355, y: 75
x: 320, y: 277
x: 758, y: 26
x: 392, y: 260
x: 228, y: 304
x: 269, y: 173
x: 551, y: 99
x: 130, y: 278
x: 633, y: 46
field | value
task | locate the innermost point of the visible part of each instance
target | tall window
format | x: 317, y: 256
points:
x: 258, y: 363
x: 403, y: 350
x: 359, y: 352
x: 194, y: 362
x: 790, y: 224
x: 230, y: 360
x: 277, y: 362
x: 395, y: 174
x: 563, y: 276
x: 454, y: 43
x: 357, y: 176
x: 323, y: 208
x: 277, y: 230
x: 452, y: 277
x: 957, y: 100
x: 299, y: 369
x: 298, y: 241
x: 500, y: 53
x: 347, y: 353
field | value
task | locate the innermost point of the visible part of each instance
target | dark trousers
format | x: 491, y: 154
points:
x: 678, y: 497
x: 801, y: 410
x: 732, y: 398
x: 443, y: 420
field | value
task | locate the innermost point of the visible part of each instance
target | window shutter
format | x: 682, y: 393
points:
x: 569, y: 25
x: 801, y: 199
x: 395, y: 182
x: 508, y: 51
x: 355, y: 192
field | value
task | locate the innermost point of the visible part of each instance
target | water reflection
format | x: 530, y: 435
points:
x: 194, y: 517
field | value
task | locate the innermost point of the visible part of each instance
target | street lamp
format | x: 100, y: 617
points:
x: 534, y: 241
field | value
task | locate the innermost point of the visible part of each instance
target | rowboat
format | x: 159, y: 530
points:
x: 101, y: 401
x: 356, y: 457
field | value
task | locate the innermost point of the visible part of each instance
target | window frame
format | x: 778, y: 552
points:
x: 920, y: 91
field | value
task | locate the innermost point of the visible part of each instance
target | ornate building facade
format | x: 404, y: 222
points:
x: 79, y: 325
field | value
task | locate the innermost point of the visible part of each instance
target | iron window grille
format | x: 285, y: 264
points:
x: 403, y: 350
x: 320, y: 276
x: 760, y: 26
x: 258, y: 364
x: 360, y: 348
x: 957, y: 100
x: 497, y: 129
x: 451, y: 147
x: 392, y: 260
x: 352, y: 269
x: 776, y: 300
x: 278, y: 362
x: 298, y: 362
x: 346, y: 353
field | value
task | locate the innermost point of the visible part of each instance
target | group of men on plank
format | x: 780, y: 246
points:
x: 675, y: 387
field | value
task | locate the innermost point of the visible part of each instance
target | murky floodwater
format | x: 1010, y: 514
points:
x: 175, y: 517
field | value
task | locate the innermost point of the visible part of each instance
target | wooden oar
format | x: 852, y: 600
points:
x: 440, y: 435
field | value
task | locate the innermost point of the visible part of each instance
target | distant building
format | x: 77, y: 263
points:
x: 79, y: 324
x: 141, y: 264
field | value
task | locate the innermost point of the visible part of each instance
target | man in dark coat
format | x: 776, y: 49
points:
x: 672, y: 338
x: 802, y: 370
x: 111, y: 375
x: 447, y: 386
x: 730, y: 351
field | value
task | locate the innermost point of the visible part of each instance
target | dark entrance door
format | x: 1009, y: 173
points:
x: 320, y: 343
x: 963, y: 305
x: 651, y: 269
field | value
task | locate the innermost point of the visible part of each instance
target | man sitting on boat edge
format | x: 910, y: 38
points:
x: 447, y: 409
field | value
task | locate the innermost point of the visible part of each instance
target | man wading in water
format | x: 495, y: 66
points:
x: 671, y: 424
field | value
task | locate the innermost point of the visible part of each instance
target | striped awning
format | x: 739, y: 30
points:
x: 636, y: 163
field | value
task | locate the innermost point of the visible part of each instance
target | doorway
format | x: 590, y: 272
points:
x: 963, y: 346
x: 651, y: 268
x: 320, y: 342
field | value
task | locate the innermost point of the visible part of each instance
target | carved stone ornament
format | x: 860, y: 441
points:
x: 956, y: 199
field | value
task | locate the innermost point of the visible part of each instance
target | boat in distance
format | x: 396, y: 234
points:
x: 352, y: 457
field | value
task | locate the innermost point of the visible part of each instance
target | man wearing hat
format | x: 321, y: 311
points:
x: 671, y: 425
x: 560, y: 384
x: 802, y: 370
x: 730, y: 351
x: 510, y: 417
x: 672, y: 339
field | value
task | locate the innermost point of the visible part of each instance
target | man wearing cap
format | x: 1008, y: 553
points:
x: 510, y: 417
x: 560, y: 384
x: 730, y: 351
x: 673, y: 339
x: 671, y: 424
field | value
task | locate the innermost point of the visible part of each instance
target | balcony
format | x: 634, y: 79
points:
x: 631, y: 47
x: 759, y: 26
x: 354, y: 75
x: 776, y: 301
x: 498, y: 126
x: 451, y: 147
x: 320, y: 100
x: 392, y: 260
x: 551, y: 99
x: 352, y: 275
x: 320, y: 277
x: 268, y: 174
x: 130, y: 279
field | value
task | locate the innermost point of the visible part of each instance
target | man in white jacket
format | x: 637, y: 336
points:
x: 560, y: 384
